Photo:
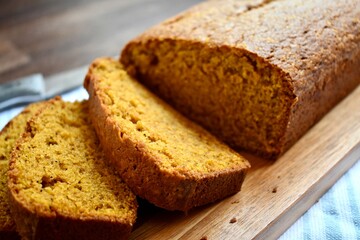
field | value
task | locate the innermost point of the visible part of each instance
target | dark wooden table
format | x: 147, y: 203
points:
x: 50, y: 36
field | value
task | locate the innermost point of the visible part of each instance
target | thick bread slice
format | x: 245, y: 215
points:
x: 257, y: 74
x: 162, y: 156
x: 8, y: 136
x: 60, y: 186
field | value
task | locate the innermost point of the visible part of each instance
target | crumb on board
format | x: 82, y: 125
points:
x: 233, y: 220
x: 204, y: 238
x: 235, y: 201
x: 274, y: 190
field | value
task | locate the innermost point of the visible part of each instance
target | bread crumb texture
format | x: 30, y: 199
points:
x: 178, y: 144
x: 58, y: 169
x: 231, y: 92
x: 257, y: 74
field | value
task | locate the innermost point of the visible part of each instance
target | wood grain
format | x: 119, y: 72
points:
x: 62, y: 35
x: 274, y: 194
x: 11, y: 57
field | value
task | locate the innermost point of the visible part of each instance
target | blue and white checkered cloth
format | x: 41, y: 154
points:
x: 335, y: 216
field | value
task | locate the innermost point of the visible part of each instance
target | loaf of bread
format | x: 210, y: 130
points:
x: 161, y: 155
x: 8, y: 136
x: 60, y: 186
x: 257, y: 74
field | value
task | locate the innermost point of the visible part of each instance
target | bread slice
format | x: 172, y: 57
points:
x: 161, y: 155
x: 8, y: 136
x: 257, y: 74
x: 60, y: 186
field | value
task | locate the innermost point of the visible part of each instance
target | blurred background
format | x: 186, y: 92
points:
x: 50, y: 36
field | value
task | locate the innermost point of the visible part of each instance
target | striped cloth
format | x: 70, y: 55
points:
x: 77, y: 94
x: 335, y: 216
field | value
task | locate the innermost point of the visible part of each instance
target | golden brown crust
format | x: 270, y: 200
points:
x: 139, y: 168
x: 314, y: 44
x: 314, y: 103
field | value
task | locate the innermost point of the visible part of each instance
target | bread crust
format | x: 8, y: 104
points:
x: 34, y: 224
x: 139, y: 168
x: 313, y: 43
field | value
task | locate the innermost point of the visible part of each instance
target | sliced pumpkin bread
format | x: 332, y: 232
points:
x: 161, y: 155
x: 60, y: 186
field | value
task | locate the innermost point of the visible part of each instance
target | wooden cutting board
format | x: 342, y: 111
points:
x: 274, y: 194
